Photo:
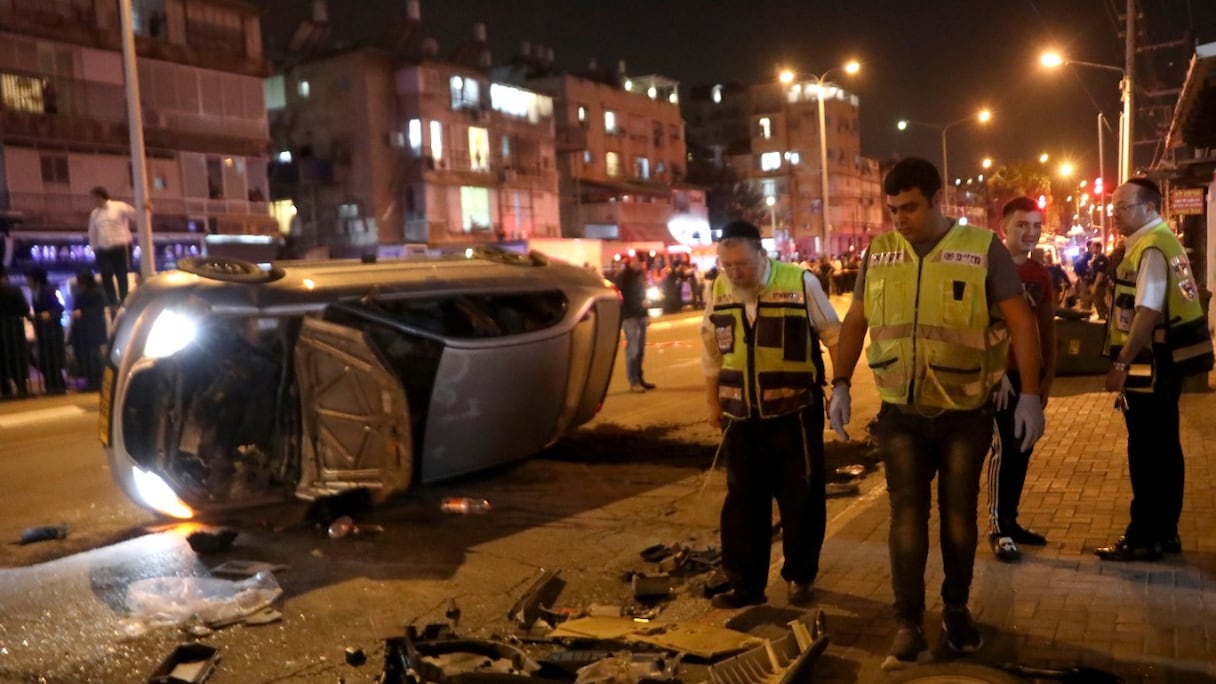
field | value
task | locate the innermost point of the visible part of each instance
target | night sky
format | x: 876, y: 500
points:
x: 934, y: 61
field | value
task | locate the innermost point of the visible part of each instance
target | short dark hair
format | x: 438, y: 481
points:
x: 1022, y: 203
x: 1147, y: 191
x: 910, y: 173
x: 100, y: 193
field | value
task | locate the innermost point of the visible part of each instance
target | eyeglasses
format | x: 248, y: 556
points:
x: 1125, y: 207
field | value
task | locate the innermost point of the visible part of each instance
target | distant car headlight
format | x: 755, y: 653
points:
x: 157, y: 494
x: 654, y: 294
x: 171, y: 332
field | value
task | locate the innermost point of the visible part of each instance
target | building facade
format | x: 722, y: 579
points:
x: 64, y: 127
x: 375, y: 150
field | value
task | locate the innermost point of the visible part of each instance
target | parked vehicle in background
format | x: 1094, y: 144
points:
x: 229, y: 385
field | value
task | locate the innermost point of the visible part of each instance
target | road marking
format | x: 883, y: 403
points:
x: 26, y: 417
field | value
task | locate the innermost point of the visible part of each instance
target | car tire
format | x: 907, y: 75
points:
x: 228, y: 269
x: 952, y: 673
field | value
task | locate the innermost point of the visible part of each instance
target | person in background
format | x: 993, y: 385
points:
x: 631, y: 281
x: 941, y: 301
x: 1022, y: 221
x: 764, y: 375
x: 1157, y: 334
x: 110, y: 225
x: 1099, y: 274
x: 14, y: 350
x: 48, y: 330
x: 1060, y: 282
x: 88, y: 331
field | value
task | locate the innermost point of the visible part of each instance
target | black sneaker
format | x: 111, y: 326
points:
x: 961, y: 634
x: 733, y: 599
x: 1021, y: 535
x: 1004, y: 548
x: 908, y: 648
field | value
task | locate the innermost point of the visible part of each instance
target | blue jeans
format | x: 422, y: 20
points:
x: 635, y: 346
x: 915, y: 449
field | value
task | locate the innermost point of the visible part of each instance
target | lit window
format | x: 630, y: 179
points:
x: 766, y: 127
x: 414, y: 131
x: 479, y: 149
x: 643, y: 168
x: 717, y: 94
x: 794, y: 157
x: 770, y: 161
x: 506, y: 147
x: 436, y: 140
x: 303, y: 89
x: 474, y: 208
x: 582, y: 114
x: 285, y: 156
x: 612, y: 163
x: 587, y: 158
x: 610, y: 122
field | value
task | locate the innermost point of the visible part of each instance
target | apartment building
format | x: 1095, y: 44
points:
x: 377, y: 149
x: 64, y: 129
x: 621, y: 155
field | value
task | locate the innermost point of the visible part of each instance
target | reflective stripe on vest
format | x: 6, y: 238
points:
x: 1181, y: 338
x: 935, y: 341
x: 775, y: 359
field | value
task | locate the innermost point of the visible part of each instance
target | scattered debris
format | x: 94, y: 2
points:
x: 650, y: 587
x: 463, y: 505
x: 241, y: 569
x: 342, y: 526
x: 355, y: 656
x: 438, y: 655
x: 786, y: 660
x: 452, y: 612
x: 187, y: 664
x: 542, y: 593
x: 602, y: 610
x: 162, y: 601
x: 702, y: 641
x: 31, y: 535
x: 206, y: 541
x: 842, y: 489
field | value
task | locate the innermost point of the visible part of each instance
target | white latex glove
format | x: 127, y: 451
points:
x: 1028, y: 420
x: 1003, y: 394
x: 840, y: 409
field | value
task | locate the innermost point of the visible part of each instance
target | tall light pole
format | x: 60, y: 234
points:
x: 1053, y: 60
x: 135, y: 122
x: 772, y: 206
x: 982, y: 116
x: 788, y: 77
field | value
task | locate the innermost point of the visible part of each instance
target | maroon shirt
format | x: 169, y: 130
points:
x: 1038, y: 290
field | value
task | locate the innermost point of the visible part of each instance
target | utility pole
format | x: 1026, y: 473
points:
x: 135, y: 122
x: 1129, y: 76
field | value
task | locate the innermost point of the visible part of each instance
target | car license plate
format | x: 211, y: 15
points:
x: 105, y: 404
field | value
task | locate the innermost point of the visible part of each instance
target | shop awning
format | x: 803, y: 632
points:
x: 1194, y: 122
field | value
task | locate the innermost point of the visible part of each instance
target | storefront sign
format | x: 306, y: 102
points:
x: 1187, y: 201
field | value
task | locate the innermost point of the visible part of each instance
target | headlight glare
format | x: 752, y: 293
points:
x: 157, y: 494
x: 171, y: 332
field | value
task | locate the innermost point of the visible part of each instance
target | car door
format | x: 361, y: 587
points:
x: 356, y: 420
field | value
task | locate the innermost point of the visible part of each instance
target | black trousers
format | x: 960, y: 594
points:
x: 1007, y: 467
x: 777, y: 458
x: 1154, y: 461
x: 113, y: 264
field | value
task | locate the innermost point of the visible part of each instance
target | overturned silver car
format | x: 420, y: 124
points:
x: 229, y: 385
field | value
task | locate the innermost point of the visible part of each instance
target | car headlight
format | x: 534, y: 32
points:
x: 171, y: 332
x: 654, y: 294
x: 157, y: 494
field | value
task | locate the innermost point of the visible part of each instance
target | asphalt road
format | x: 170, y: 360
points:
x: 637, y: 476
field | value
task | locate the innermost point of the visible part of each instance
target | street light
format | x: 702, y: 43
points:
x: 1043, y: 158
x: 787, y: 77
x: 987, y: 164
x: 982, y: 116
x: 1052, y: 60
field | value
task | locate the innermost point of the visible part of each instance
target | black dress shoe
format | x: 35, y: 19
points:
x: 647, y: 385
x: 1172, y: 545
x: 801, y: 594
x: 1121, y: 550
x: 1021, y: 535
x: 733, y: 599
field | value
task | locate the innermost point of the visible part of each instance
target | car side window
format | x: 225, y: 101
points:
x: 478, y: 316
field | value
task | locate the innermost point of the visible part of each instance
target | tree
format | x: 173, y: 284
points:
x: 1018, y: 178
x: 727, y: 197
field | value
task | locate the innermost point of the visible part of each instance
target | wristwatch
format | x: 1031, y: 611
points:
x: 1121, y: 367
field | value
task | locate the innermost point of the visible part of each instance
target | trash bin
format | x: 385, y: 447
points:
x: 1079, y: 347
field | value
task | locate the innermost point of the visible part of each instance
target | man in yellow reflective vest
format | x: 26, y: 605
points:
x: 1157, y: 333
x: 761, y: 335
x: 941, y: 301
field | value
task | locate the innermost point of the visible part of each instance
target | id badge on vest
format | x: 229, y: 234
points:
x: 1125, y: 311
x: 724, y: 332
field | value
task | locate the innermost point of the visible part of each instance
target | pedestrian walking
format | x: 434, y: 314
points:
x: 631, y: 282
x: 14, y: 349
x: 941, y: 301
x: 761, y: 334
x: 110, y: 225
x: 88, y: 331
x: 1157, y: 334
x: 1022, y: 221
x: 48, y: 331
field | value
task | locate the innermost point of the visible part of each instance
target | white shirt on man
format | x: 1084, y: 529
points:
x: 110, y: 225
x: 1152, y: 278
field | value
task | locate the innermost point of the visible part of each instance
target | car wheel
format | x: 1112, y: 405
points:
x: 228, y: 269
x: 952, y: 673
